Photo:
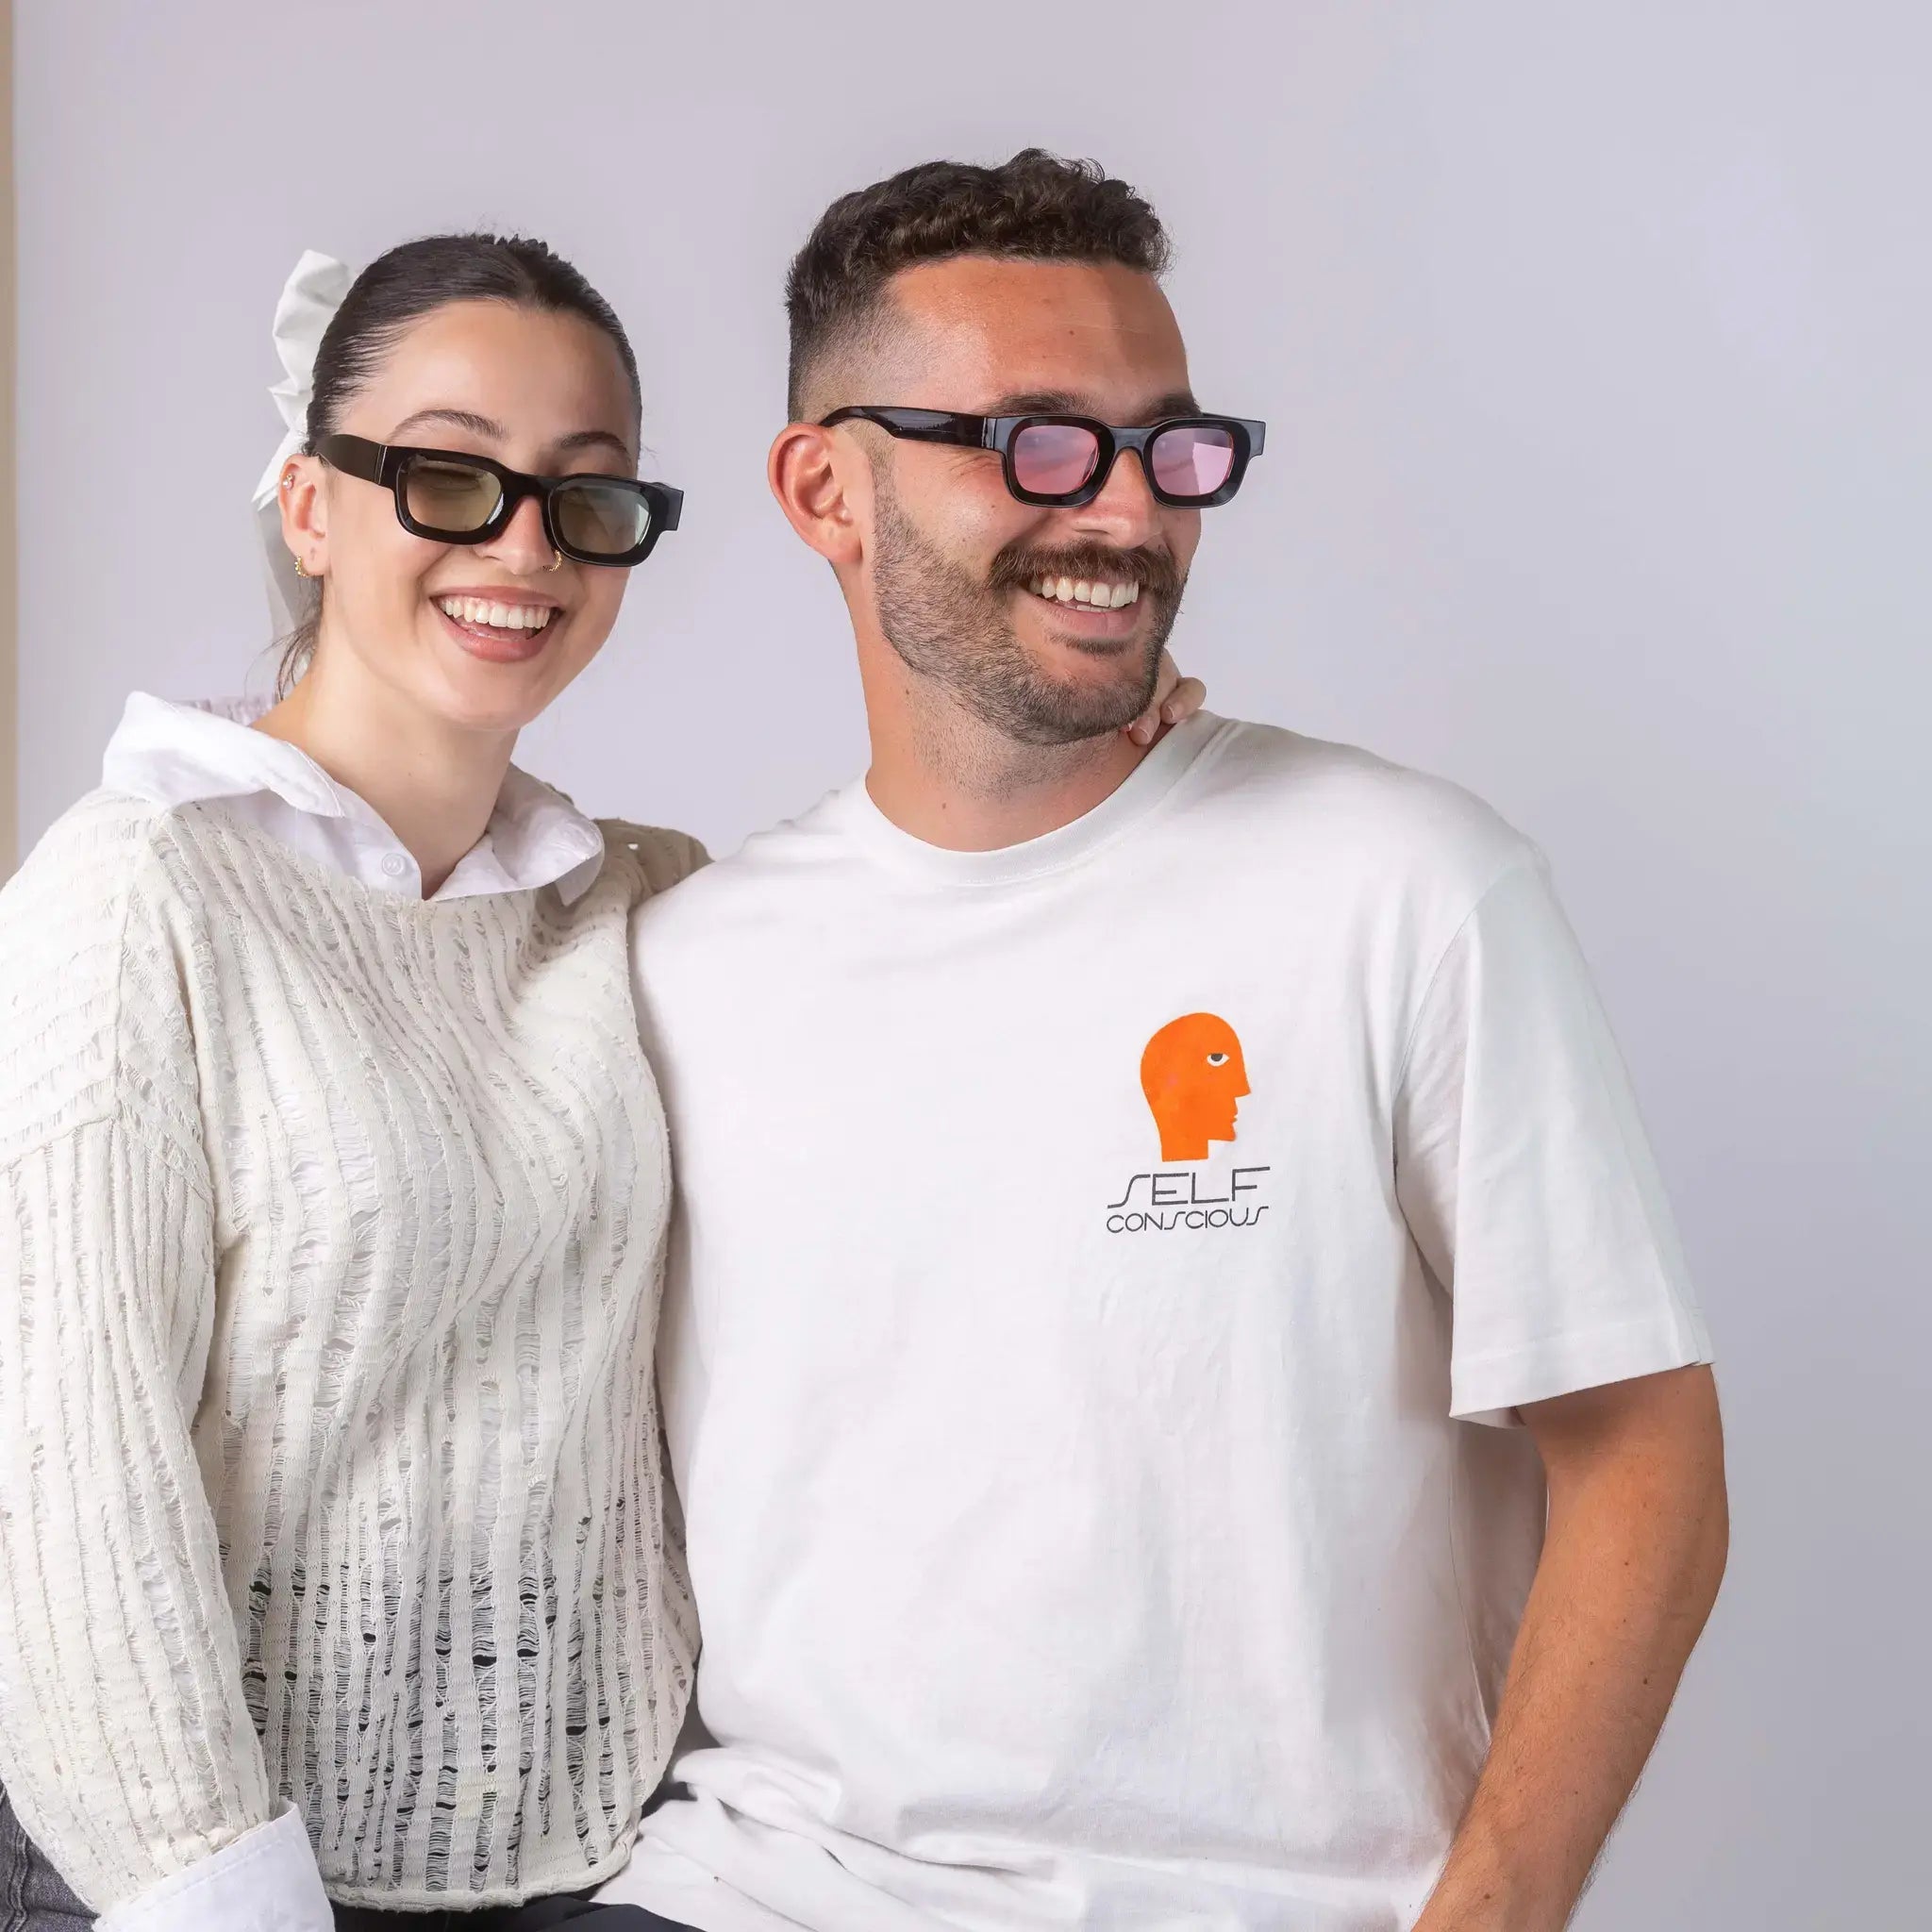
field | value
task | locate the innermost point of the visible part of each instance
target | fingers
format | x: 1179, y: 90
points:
x: 1175, y: 700
x: 1182, y: 701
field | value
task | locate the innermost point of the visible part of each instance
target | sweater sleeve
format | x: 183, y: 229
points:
x: 662, y: 858
x: 126, y: 1744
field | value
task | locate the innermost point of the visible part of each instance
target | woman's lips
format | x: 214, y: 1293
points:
x: 498, y: 629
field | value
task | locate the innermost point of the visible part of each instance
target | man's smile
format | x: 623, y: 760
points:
x: 1100, y: 593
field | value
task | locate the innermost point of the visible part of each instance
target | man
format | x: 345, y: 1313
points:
x: 1153, y: 1220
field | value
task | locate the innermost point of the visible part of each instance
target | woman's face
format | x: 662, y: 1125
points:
x: 541, y: 392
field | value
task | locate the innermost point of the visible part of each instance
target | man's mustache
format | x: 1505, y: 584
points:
x: 1154, y: 570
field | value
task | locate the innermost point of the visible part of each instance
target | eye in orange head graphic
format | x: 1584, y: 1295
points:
x: 1195, y: 1078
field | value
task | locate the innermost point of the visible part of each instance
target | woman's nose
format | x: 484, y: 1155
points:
x: 522, y: 545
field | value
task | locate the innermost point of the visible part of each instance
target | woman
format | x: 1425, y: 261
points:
x: 333, y: 1556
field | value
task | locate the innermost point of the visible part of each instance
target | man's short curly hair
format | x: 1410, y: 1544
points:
x: 1035, y: 208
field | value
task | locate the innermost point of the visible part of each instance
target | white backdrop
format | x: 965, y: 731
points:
x: 1593, y: 342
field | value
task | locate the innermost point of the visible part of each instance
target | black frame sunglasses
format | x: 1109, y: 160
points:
x: 1001, y: 433
x: 390, y: 463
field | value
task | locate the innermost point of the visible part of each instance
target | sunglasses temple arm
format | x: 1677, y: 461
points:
x: 962, y: 432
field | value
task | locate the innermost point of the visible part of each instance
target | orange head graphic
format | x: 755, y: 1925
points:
x: 1195, y: 1078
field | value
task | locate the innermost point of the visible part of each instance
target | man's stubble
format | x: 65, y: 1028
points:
x: 954, y: 630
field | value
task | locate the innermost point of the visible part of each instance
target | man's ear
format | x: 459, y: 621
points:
x: 823, y: 485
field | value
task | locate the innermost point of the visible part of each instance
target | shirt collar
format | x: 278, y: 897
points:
x: 184, y: 754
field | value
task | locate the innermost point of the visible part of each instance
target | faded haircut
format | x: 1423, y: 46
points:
x: 1035, y: 208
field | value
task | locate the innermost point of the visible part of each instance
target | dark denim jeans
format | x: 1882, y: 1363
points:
x: 33, y: 1896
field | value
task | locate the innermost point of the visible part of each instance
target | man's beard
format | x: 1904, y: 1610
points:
x: 957, y: 630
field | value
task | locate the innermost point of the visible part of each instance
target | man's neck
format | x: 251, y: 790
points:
x: 946, y: 776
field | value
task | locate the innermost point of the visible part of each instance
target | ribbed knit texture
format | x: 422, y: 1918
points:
x: 331, y: 1227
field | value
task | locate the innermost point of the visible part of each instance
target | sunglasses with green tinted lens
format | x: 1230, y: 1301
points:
x: 452, y: 497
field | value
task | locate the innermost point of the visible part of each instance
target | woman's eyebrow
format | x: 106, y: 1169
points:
x: 593, y: 438
x: 495, y: 432
x: 456, y: 419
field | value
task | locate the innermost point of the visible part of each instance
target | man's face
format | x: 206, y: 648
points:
x: 965, y: 578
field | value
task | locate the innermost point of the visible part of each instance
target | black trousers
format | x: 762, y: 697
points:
x: 578, y: 1914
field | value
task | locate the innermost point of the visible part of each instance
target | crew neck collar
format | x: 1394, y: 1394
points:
x: 1148, y: 787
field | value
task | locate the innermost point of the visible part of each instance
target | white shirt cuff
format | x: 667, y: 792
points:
x: 266, y: 1881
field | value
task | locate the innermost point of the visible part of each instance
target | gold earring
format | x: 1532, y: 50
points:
x: 301, y: 568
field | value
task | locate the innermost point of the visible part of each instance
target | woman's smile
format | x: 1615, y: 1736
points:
x: 499, y: 626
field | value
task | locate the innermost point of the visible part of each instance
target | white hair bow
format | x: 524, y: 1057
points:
x: 310, y: 297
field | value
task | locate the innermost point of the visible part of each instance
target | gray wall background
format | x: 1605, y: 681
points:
x: 1593, y: 342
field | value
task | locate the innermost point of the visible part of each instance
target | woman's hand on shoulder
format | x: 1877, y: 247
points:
x: 1175, y: 700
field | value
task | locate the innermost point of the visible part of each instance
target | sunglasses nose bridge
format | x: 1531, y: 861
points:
x: 522, y: 536
x: 1120, y: 496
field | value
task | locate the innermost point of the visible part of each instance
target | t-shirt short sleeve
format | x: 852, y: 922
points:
x: 1524, y: 1174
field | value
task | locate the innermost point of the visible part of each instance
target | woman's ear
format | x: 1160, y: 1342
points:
x: 303, y: 501
x: 823, y: 485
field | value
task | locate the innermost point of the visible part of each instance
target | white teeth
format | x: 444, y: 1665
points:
x: 1095, y: 595
x: 501, y: 616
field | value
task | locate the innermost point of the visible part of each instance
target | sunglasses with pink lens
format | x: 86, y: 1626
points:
x: 1192, y: 462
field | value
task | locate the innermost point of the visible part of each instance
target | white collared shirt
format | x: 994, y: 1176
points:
x: 185, y: 754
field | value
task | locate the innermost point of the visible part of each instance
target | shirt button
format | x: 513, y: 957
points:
x: 394, y: 864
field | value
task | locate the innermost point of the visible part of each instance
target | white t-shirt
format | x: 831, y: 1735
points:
x: 1093, y: 1254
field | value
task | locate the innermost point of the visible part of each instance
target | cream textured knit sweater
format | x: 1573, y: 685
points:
x: 331, y: 1232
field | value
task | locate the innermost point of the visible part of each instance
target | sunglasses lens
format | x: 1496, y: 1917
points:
x: 450, y: 497
x: 1054, y: 459
x: 601, y: 519
x: 1194, y: 461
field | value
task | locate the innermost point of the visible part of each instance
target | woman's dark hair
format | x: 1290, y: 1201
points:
x: 399, y: 289
x: 1036, y: 206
